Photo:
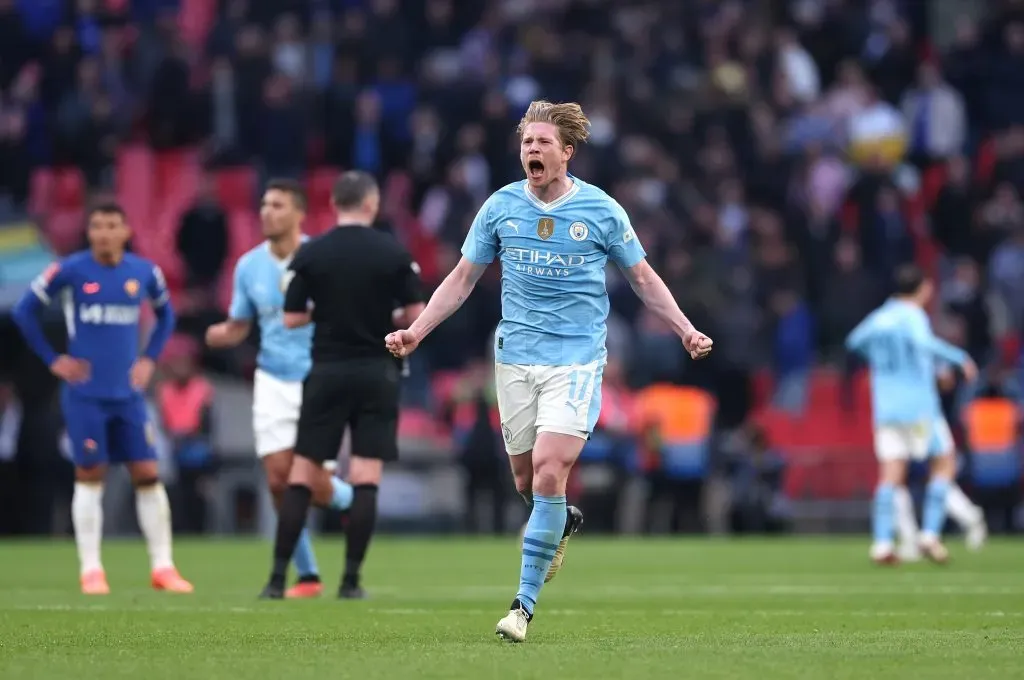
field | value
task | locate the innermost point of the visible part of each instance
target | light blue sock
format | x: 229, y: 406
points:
x: 303, y: 557
x: 882, y: 515
x: 934, y: 514
x: 342, y: 498
x: 543, y: 533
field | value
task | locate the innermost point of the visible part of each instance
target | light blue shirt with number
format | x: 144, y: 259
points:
x: 901, y: 351
x: 258, y: 295
x: 554, y: 304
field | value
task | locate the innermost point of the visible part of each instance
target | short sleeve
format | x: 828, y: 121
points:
x: 481, y: 245
x: 156, y: 287
x: 296, y: 282
x: 242, y: 308
x: 620, y: 241
x: 408, y: 285
x: 51, y: 281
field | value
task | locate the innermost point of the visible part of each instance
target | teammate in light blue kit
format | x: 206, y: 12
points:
x: 283, y: 360
x: 898, y: 343
x: 554, y: 235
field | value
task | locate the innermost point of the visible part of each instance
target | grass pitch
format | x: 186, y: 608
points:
x: 638, y: 609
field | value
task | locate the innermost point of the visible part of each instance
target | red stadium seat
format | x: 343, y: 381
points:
x: 41, y: 188
x: 236, y: 188
x: 135, y: 186
x: 65, y: 230
x: 317, y: 222
x: 69, y: 189
x: 195, y: 19
x: 319, y: 183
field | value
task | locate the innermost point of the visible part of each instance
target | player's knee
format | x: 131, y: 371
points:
x: 277, y: 483
x: 549, y: 477
x: 145, y: 482
x: 365, y: 471
x: 524, y: 483
x: 91, y: 475
x: 304, y: 472
x: 944, y: 467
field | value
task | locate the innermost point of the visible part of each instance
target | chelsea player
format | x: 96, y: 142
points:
x: 283, y: 360
x: 898, y: 343
x: 554, y: 235
x: 104, y: 377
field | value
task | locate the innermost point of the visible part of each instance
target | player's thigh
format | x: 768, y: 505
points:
x: 87, y: 423
x: 374, y: 422
x: 131, y: 437
x: 325, y: 411
x: 569, y: 401
x: 940, y: 442
x: 275, y: 413
x: 517, y: 406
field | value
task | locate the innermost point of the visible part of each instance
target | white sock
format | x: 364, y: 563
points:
x: 154, y: 513
x: 960, y: 508
x: 906, y: 521
x: 87, y: 517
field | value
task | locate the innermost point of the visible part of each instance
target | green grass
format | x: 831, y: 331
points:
x: 638, y: 609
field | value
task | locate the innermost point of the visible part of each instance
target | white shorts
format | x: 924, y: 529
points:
x: 915, y: 442
x: 275, y: 413
x: 533, y: 399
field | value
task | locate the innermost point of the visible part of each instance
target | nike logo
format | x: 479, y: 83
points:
x: 512, y: 225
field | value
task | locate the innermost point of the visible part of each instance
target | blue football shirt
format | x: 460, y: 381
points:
x: 554, y: 303
x: 258, y: 294
x: 102, y: 305
x: 901, y: 351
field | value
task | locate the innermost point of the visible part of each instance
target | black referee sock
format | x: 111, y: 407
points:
x: 291, y: 519
x: 362, y: 517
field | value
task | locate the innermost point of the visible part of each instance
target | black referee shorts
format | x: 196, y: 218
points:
x: 360, y: 394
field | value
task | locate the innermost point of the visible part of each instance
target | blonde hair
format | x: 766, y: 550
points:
x: 573, y: 125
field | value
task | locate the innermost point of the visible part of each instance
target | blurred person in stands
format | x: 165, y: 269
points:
x: 203, y: 238
x: 476, y: 427
x: 758, y: 502
x: 184, y: 399
x: 936, y: 118
x: 604, y: 461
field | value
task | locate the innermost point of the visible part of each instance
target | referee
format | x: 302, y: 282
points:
x: 347, y: 282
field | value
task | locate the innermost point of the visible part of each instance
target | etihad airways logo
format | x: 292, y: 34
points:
x: 542, y: 262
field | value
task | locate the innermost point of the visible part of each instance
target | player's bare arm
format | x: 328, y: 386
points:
x: 655, y: 295
x: 230, y: 333
x: 297, y: 319
x: 448, y: 297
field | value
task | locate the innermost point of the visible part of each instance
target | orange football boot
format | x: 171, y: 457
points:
x: 170, y: 580
x: 95, y: 583
x: 305, y: 589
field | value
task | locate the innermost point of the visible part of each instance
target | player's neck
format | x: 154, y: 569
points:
x: 108, y: 259
x: 554, y: 190
x: 353, y: 219
x: 285, y: 247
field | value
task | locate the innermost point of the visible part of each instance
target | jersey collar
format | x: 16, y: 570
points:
x: 561, y: 200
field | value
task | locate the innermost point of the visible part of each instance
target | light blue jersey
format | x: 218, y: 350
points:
x: 284, y: 353
x: 554, y: 303
x: 901, y: 350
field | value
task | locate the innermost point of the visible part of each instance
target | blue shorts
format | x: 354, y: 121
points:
x: 106, y: 431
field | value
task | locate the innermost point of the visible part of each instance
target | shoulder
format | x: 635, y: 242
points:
x: 251, y: 258
x: 73, y: 261
x: 137, y: 263
x: 598, y: 200
x: 509, y: 195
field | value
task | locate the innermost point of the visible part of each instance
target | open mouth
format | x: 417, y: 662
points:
x: 535, y: 169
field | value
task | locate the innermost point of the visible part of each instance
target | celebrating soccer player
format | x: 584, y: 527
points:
x: 282, y: 363
x: 901, y: 349
x: 104, y: 377
x: 554, y: 234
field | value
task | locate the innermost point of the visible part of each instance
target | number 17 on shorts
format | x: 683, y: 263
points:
x: 532, y: 399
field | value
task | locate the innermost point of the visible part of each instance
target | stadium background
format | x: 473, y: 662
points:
x: 778, y: 159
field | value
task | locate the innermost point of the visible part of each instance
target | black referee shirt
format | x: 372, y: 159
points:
x: 353, y: 275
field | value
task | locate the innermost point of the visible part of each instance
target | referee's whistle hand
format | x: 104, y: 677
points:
x: 401, y: 343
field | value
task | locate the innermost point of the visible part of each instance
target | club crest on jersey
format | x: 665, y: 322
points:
x: 131, y: 286
x: 578, y: 231
x: 545, y: 227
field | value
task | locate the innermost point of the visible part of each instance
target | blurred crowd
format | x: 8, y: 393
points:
x: 778, y: 159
